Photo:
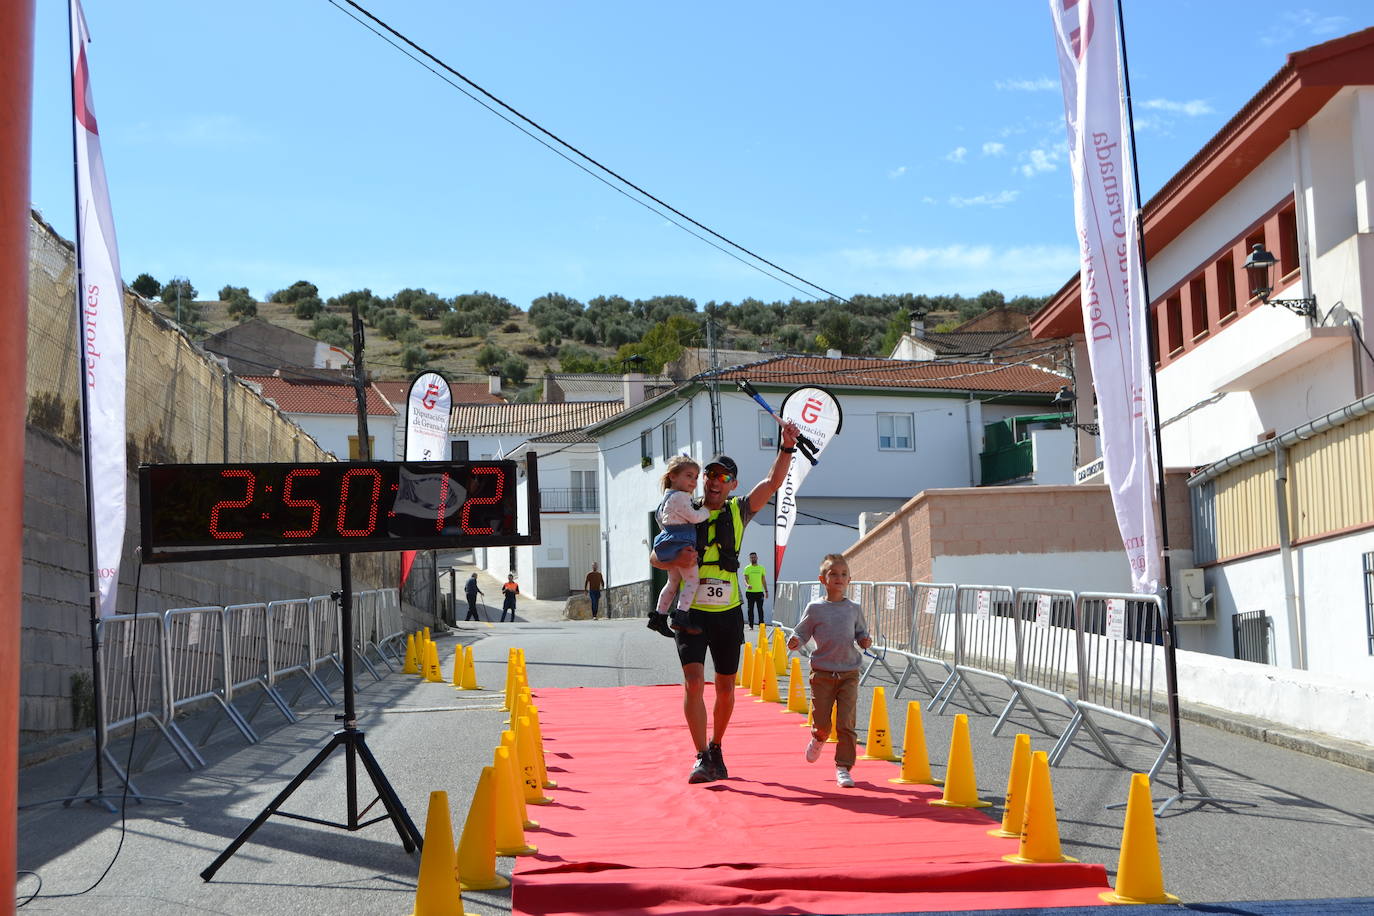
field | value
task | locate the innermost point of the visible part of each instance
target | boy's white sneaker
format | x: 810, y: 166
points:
x: 813, y: 750
x: 843, y: 779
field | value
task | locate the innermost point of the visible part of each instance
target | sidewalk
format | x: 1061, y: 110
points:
x: 527, y: 610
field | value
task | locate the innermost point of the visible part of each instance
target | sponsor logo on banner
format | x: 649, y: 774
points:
x: 427, y: 418
x: 818, y: 416
x: 1110, y: 275
x: 101, y: 308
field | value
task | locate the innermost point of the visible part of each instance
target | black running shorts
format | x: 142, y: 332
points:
x: 722, y: 632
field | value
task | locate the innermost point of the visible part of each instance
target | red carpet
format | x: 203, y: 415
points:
x: 627, y: 834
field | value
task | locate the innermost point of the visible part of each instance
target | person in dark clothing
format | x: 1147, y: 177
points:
x: 509, y: 590
x: 472, y: 591
x: 595, y: 582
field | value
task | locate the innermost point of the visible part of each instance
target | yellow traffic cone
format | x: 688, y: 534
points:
x: 761, y: 661
x: 458, y: 667
x: 961, y: 785
x: 426, y: 631
x: 437, y: 892
x: 879, y: 744
x: 810, y: 713
x: 762, y: 638
x: 796, y: 690
x: 529, y: 764
x: 469, y: 679
x: 510, y: 823
x: 520, y: 664
x: 510, y: 679
x: 746, y: 674
x: 779, y: 652
x: 539, y: 746
x: 915, y: 760
x: 1139, y: 878
x: 411, y: 666
x: 1040, y: 826
x: 769, y: 693
x: 517, y: 778
x: 1014, y: 807
x: 436, y: 671
x: 477, y: 848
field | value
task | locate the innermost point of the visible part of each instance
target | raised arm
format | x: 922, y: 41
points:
x: 764, y: 489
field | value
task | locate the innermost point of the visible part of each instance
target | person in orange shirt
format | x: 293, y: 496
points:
x: 509, y: 590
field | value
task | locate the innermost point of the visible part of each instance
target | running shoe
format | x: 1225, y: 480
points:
x: 659, y: 624
x: 701, y: 770
x: 718, y: 770
x: 843, y: 779
x: 813, y: 750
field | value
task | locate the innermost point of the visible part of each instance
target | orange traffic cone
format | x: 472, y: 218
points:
x: 477, y: 848
x: 915, y: 760
x: 1014, y: 806
x: 1039, y: 827
x: 961, y: 785
x: 1139, y: 878
x: 879, y: 744
x: 437, y: 892
x: 796, y: 689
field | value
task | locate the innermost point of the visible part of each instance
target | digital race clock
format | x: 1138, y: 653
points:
x: 217, y: 511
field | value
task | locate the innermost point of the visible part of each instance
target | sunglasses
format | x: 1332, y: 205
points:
x: 722, y: 476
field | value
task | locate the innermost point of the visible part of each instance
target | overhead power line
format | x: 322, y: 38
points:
x: 392, y: 32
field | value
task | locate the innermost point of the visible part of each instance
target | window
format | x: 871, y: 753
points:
x: 1197, y: 306
x: 894, y: 431
x: 768, y: 431
x: 646, y: 449
x: 1369, y: 598
x: 1288, y: 242
x: 1226, y: 287
x: 353, y: 448
x: 1173, y: 323
x: 669, y: 438
x: 458, y: 448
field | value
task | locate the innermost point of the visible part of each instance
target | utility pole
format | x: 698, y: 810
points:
x: 360, y: 386
x: 713, y: 386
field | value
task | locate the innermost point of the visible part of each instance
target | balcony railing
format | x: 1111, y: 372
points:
x: 568, y: 500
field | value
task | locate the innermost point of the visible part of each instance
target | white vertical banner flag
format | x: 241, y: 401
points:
x: 101, y: 307
x: 427, y: 415
x: 1114, y: 308
x: 818, y: 416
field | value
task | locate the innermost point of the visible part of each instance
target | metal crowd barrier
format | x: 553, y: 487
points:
x: 366, y: 626
x: 291, y: 651
x: 197, y: 670
x: 985, y: 643
x: 390, y: 625
x: 250, y: 653
x: 1121, y: 668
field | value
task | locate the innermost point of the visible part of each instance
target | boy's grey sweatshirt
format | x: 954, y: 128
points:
x: 835, y: 626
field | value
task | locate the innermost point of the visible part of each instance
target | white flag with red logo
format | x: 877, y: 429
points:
x: 817, y: 415
x: 1114, y: 307
x: 101, y: 306
x: 427, y: 410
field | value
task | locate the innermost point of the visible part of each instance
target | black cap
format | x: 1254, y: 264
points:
x: 726, y: 462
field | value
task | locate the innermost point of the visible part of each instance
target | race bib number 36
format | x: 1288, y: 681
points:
x: 713, y: 593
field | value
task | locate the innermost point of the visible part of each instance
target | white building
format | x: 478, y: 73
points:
x: 328, y: 411
x: 907, y: 426
x: 1283, y: 530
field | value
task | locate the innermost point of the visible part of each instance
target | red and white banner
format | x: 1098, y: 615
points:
x: 817, y: 414
x: 1114, y: 308
x: 101, y: 306
x: 427, y: 414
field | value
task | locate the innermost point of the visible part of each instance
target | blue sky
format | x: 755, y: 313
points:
x: 869, y: 147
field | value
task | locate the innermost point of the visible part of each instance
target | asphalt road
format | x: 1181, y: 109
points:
x: 1310, y: 833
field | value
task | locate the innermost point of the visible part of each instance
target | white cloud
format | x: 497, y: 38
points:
x: 1302, y: 25
x: 994, y: 149
x: 1039, y: 160
x: 1041, y: 84
x: 957, y: 154
x: 898, y: 172
x: 969, y: 269
x: 1000, y: 199
x: 1192, y: 108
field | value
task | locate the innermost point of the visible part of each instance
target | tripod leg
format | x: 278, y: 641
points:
x: 272, y: 806
x: 410, y: 835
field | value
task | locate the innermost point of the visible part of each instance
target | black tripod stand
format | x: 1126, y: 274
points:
x: 350, y: 738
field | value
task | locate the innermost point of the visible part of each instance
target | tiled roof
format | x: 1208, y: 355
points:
x: 867, y: 372
x: 970, y: 342
x: 300, y: 396
x: 532, y: 420
x: 463, y: 392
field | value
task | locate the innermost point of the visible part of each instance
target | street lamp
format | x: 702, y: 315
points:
x: 1066, y: 399
x: 1259, y: 266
